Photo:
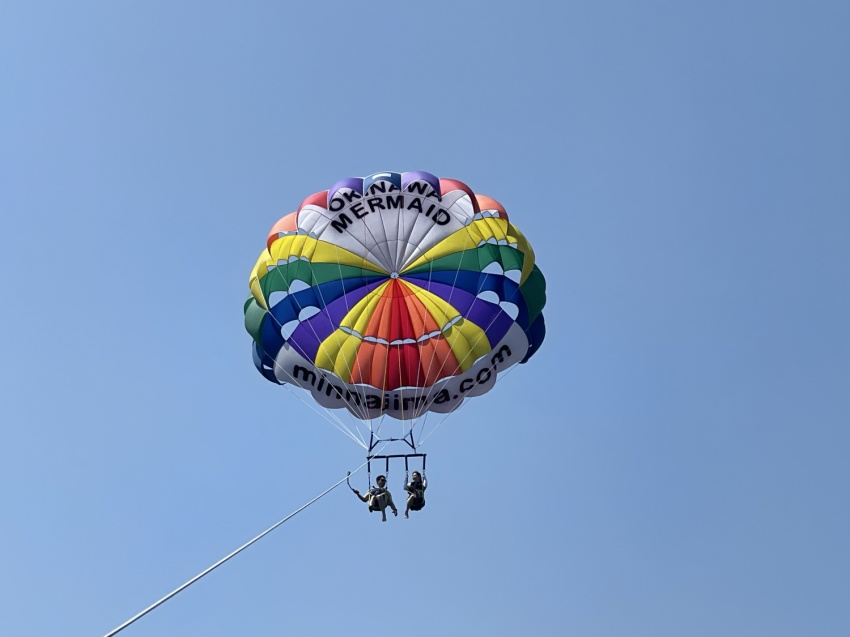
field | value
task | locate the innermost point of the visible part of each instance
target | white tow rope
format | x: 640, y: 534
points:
x: 224, y: 559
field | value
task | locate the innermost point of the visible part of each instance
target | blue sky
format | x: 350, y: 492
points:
x: 674, y: 459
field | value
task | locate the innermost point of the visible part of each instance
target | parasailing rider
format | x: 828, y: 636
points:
x: 415, y: 493
x: 378, y: 498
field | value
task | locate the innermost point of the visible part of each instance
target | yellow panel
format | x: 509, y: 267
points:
x: 337, y: 354
x: 478, y: 231
x: 466, y: 238
x: 515, y: 236
x: 467, y: 340
x: 257, y: 273
x: 358, y: 317
x: 317, y: 251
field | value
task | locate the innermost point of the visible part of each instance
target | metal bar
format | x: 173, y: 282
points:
x: 410, y: 442
x: 374, y: 441
x: 396, y: 455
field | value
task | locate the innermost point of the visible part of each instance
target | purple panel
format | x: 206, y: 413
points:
x: 420, y: 175
x: 305, y: 342
x: 489, y: 317
x: 338, y: 308
x: 307, y: 337
x: 354, y: 183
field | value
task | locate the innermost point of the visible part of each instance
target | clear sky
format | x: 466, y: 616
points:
x: 674, y: 460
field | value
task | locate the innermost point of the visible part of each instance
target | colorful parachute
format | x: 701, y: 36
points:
x: 395, y: 294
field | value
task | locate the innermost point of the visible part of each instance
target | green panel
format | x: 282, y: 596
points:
x: 254, y: 315
x: 474, y: 260
x: 282, y: 276
x: 534, y: 293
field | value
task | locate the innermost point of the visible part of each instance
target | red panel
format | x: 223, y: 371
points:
x: 399, y: 313
x: 379, y: 324
x: 285, y: 224
x: 393, y: 368
x: 409, y: 364
x: 438, y: 360
x: 488, y: 203
x: 370, y: 365
x: 316, y: 199
x: 448, y: 185
x: 421, y: 321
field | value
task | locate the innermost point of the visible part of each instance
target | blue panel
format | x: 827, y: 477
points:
x: 392, y: 178
x: 536, y: 333
x: 264, y: 363
x: 477, y: 282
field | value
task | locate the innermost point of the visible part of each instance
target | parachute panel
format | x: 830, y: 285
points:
x: 395, y: 294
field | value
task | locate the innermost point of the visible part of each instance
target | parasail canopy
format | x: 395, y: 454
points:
x: 395, y: 294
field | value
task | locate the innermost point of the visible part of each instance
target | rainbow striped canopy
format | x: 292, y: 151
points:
x: 394, y: 294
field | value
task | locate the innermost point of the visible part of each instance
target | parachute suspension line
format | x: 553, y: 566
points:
x: 422, y: 424
x: 362, y: 414
x: 422, y: 436
x: 333, y: 419
x: 449, y: 300
x: 117, y: 630
x: 330, y: 417
x: 326, y: 415
x: 417, y: 251
x: 376, y: 431
x: 472, y: 349
x: 440, y: 422
x: 382, y: 245
x: 442, y: 363
x: 495, y: 382
x: 384, y: 381
x: 315, y: 334
x: 401, y: 396
x: 419, y: 393
x: 398, y: 267
x: 499, y: 378
x: 391, y: 263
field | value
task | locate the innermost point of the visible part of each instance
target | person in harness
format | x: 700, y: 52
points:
x: 415, y: 493
x: 378, y: 498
